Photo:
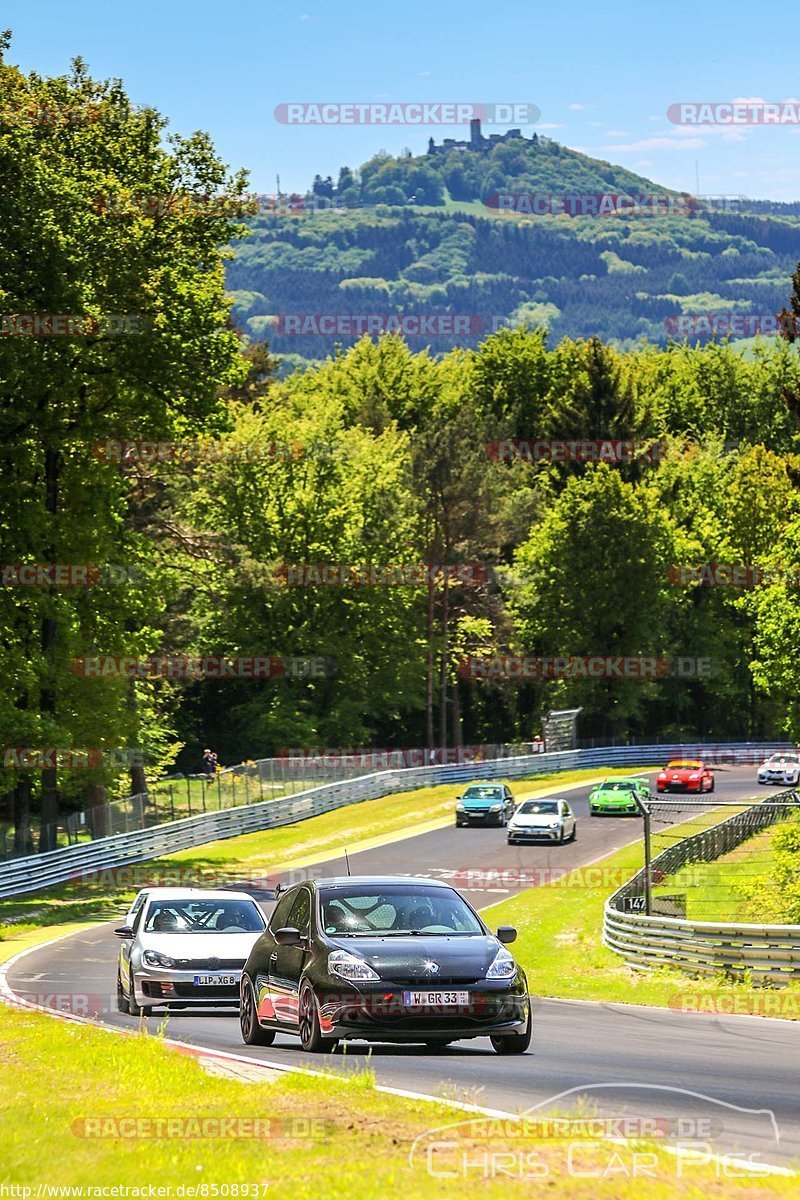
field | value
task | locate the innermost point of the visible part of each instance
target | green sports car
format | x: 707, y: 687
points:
x: 615, y: 796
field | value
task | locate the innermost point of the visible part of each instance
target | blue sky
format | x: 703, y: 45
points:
x: 603, y: 79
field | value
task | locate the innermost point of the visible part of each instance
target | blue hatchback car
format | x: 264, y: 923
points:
x: 485, y: 804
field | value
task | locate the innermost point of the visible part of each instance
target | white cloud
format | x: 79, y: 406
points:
x: 644, y: 164
x: 575, y: 107
x: 554, y: 125
x: 424, y: 74
x: 617, y: 133
x: 305, y: 17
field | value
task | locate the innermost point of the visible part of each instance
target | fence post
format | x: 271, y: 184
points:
x: 219, y: 790
x: 648, y: 884
x: 171, y: 802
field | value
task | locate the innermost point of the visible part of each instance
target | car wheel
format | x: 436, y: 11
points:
x: 574, y: 832
x: 122, y: 999
x: 310, y: 1032
x: 253, y: 1034
x: 561, y: 837
x: 712, y: 786
x: 514, y: 1043
x: 134, y: 1008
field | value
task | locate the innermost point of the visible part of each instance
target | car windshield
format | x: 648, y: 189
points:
x: 618, y: 785
x: 203, y: 916
x: 483, y: 793
x: 781, y: 759
x: 394, y: 912
x: 539, y: 806
x: 684, y: 764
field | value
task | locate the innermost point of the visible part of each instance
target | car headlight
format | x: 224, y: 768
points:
x: 348, y: 966
x: 460, y: 807
x: 154, y: 959
x: 503, y: 966
x: 695, y: 775
x: 495, y: 808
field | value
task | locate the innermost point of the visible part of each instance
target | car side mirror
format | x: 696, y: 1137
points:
x: 288, y: 936
x: 506, y: 933
x: 125, y: 932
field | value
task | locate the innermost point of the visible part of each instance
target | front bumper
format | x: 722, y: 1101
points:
x: 376, y: 1011
x: 479, y: 817
x: 775, y: 777
x: 166, y: 986
x: 535, y: 834
x: 614, y: 810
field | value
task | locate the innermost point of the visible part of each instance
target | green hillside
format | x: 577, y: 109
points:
x: 423, y: 235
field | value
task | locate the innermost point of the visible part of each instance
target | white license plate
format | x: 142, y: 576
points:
x: 216, y: 980
x: 435, y: 999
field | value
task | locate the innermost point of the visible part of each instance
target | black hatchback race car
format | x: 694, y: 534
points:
x: 383, y: 960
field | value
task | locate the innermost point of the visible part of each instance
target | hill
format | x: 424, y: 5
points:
x: 431, y: 237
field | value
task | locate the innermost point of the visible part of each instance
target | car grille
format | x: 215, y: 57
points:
x: 432, y: 983
x: 193, y: 991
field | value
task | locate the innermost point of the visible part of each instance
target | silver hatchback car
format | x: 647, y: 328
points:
x: 186, y: 947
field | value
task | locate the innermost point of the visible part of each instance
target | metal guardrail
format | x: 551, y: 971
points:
x: 34, y: 872
x: 767, y: 953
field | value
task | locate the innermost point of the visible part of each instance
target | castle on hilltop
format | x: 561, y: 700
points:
x: 478, y: 142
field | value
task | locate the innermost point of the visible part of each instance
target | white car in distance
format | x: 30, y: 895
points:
x: 186, y: 948
x: 542, y: 821
x: 783, y: 767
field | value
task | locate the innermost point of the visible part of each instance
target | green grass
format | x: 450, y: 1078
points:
x: 62, y: 1087
x: 251, y: 856
x: 560, y: 945
x: 718, y: 891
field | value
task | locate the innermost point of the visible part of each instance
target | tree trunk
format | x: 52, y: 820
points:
x: 23, y: 841
x: 99, y: 812
x: 455, y: 713
x: 429, y: 669
x: 443, y: 669
x: 47, y: 699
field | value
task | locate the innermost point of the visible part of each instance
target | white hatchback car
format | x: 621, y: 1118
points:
x: 542, y: 820
x: 186, y: 947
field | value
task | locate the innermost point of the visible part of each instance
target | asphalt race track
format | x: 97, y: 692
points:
x: 629, y: 1060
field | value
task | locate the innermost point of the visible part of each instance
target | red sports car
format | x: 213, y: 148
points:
x: 685, y: 775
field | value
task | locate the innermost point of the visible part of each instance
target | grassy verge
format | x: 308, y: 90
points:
x: 289, y: 1136
x: 560, y: 945
x: 254, y: 855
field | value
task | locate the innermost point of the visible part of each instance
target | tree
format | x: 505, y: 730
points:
x: 111, y: 247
